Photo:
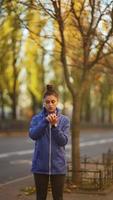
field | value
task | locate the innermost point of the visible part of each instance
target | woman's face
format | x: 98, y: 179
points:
x: 50, y: 103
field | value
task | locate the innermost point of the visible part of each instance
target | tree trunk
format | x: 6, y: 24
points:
x: 76, y: 140
x: 102, y: 106
x: 2, y: 106
x: 14, y: 95
x: 15, y: 76
x: 102, y: 114
x: 88, y: 109
x: 76, y: 103
x: 14, y: 105
x: 110, y: 110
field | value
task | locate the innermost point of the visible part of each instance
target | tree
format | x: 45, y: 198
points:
x: 89, y: 19
x: 11, y: 42
x: 82, y: 30
x: 34, y: 56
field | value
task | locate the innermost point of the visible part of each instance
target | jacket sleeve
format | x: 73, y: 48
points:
x: 61, y: 136
x: 37, y: 127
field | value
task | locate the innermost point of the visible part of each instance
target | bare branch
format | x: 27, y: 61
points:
x: 47, y: 11
x: 102, y: 14
x: 92, y: 5
x: 102, y: 45
x: 76, y: 18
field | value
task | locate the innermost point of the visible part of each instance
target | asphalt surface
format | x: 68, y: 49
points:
x: 15, y: 191
x: 16, y: 152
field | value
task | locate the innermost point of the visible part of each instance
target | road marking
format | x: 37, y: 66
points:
x: 82, y: 144
x: 16, y: 180
x: 96, y: 142
x: 92, y: 143
x: 25, y: 152
x: 15, y: 162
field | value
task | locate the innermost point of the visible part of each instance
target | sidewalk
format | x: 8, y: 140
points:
x: 13, y: 191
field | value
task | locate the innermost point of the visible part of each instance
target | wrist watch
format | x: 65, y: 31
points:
x: 55, y: 125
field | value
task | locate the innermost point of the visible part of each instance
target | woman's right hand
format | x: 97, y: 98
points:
x: 52, y: 118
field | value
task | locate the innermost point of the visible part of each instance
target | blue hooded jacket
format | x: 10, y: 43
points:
x: 49, y: 153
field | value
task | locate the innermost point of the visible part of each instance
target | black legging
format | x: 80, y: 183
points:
x: 57, y: 185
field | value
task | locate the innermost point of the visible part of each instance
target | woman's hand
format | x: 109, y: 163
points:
x: 52, y: 118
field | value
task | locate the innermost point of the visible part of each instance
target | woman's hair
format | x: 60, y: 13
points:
x: 50, y: 91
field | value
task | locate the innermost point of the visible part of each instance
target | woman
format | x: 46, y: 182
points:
x: 50, y: 130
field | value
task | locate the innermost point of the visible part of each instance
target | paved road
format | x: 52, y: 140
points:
x: 16, y: 152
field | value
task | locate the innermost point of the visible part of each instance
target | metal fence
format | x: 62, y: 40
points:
x: 95, y: 175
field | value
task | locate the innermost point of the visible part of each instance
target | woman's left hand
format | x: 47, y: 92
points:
x: 52, y: 118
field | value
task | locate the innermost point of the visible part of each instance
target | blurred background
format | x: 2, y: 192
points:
x: 30, y: 58
x: 65, y: 43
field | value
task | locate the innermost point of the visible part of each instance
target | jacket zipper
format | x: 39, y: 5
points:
x: 49, y: 149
